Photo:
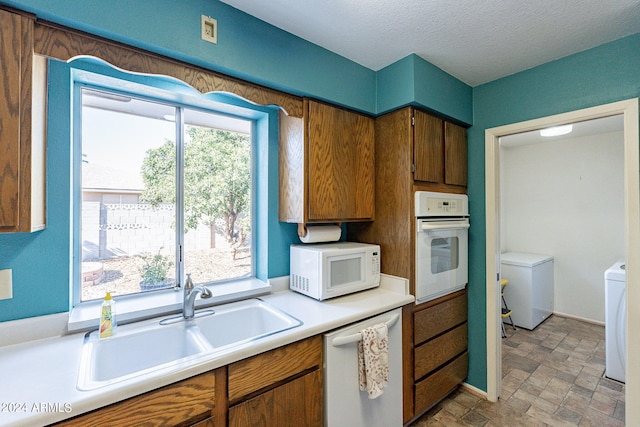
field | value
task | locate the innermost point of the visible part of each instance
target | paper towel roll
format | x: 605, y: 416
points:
x: 322, y: 233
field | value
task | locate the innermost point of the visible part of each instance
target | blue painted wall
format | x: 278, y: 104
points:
x: 247, y: 48
x: 598, y: 76
x: 414, y: 81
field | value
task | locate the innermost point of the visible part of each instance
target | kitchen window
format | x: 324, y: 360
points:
x: 163, y: 187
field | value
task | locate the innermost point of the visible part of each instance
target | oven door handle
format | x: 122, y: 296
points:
x: 444, y: 225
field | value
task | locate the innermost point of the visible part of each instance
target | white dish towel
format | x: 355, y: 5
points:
x: 373, y: 360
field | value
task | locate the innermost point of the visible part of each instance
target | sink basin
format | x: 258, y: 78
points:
x: 243, y: 321
x: 139, y: 350
x: 133, y: 353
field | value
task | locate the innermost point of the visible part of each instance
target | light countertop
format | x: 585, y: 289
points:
x: 39, y: 377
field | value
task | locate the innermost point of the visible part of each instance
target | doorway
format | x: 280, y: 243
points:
x: 629, y: 110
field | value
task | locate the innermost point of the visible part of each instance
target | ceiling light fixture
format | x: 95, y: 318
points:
x: 556, y: 130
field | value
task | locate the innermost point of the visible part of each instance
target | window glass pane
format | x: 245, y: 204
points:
x: 128, y: 231
x: 217, y: 197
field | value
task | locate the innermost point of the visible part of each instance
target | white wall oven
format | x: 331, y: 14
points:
x: 442, y: 240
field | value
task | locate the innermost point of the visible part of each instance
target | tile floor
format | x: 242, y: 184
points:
x: 552, y: 376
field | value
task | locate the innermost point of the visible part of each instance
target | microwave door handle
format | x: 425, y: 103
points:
x: 428, y: 226
x: 340, y: 341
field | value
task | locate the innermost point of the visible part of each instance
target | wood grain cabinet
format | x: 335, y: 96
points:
x: 439, y: 150
x: 282, y: 387
x: 188, y: 402
x: 22, y: 126
x: 326, y: 165
x: 440, y: 349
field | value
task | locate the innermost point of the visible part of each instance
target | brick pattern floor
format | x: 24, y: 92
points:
x: 552, y: 376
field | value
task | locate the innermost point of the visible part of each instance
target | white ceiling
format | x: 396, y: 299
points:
x: 580, y: 130
x: 476, y: 41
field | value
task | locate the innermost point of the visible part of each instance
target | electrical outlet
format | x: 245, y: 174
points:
x: 6, y: 287
x: 209, y: 29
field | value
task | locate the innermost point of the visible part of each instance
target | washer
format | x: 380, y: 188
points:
x: 615, y: 295
x: 529, y: 293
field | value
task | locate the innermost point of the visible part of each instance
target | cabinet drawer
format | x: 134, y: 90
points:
x: 439, y: 384
x: 440, y: 350
x: 264, y: 370
x: 434, y: 320
x: 185, y: 402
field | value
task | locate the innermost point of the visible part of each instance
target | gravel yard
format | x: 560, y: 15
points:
x: 122, y: 275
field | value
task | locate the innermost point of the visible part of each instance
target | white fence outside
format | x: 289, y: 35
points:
x: 114, y: 230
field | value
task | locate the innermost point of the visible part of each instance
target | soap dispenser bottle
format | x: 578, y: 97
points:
x: 108, y: 317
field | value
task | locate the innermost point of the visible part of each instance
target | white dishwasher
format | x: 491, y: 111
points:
x: 344, y: 403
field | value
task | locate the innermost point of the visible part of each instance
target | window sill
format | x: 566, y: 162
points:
x: 133, y: 308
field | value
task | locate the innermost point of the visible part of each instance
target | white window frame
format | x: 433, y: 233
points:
x: 85, y: 315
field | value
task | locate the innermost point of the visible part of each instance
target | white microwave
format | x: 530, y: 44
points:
x: 328, y: 270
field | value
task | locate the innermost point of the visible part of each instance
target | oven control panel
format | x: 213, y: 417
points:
x: 429, y: 203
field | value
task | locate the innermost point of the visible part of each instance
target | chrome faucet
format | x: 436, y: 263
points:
x: 190, y: 294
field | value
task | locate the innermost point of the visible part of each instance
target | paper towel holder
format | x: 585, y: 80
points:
x: 302, y: 228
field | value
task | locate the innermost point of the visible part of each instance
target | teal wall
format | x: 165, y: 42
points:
x: 598, y: 76
x: 414, y: 81
x: 247, y: 48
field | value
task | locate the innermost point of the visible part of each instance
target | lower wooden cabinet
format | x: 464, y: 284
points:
x: 183, y: 403
x: 282, y: 387
x: 440, y: 383
x: 294, y: 403
x: 440, y: 344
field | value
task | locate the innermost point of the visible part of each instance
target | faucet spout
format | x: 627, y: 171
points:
x: 190, y: 294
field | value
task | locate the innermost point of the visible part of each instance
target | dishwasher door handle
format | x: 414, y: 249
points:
x: 340, y: 341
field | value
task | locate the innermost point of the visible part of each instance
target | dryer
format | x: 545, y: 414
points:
x: 615, y: 321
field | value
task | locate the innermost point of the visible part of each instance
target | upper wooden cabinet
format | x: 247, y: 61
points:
x: 326, y: 165
x: 439, y: 150
x: 22, y: 127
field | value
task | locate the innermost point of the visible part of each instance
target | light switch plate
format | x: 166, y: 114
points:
x: 6, y: 286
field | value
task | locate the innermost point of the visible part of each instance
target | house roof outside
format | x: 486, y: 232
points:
x: 107, y: 179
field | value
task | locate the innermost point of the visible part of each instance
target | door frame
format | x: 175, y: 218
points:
x: 630, y: 111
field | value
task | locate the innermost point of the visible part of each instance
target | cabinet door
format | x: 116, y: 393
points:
x: 22, y: 130
x: 428, y: 150
x: 455, y: 140
x: 10, y: 59
x: 182, y: 403
x: 341, y: 164
x: 297, y: 403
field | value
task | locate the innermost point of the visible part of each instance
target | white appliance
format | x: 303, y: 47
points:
x: 529, y: 293
x: 344, y: 403
x: 328, y: 270
x: 615, y: 281
x: 442, y: 239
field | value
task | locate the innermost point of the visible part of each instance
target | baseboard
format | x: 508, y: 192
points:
x: 582, y: 319
x: 474, y: 390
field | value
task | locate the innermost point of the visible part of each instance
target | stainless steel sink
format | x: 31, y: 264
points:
x: 136, y: 351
